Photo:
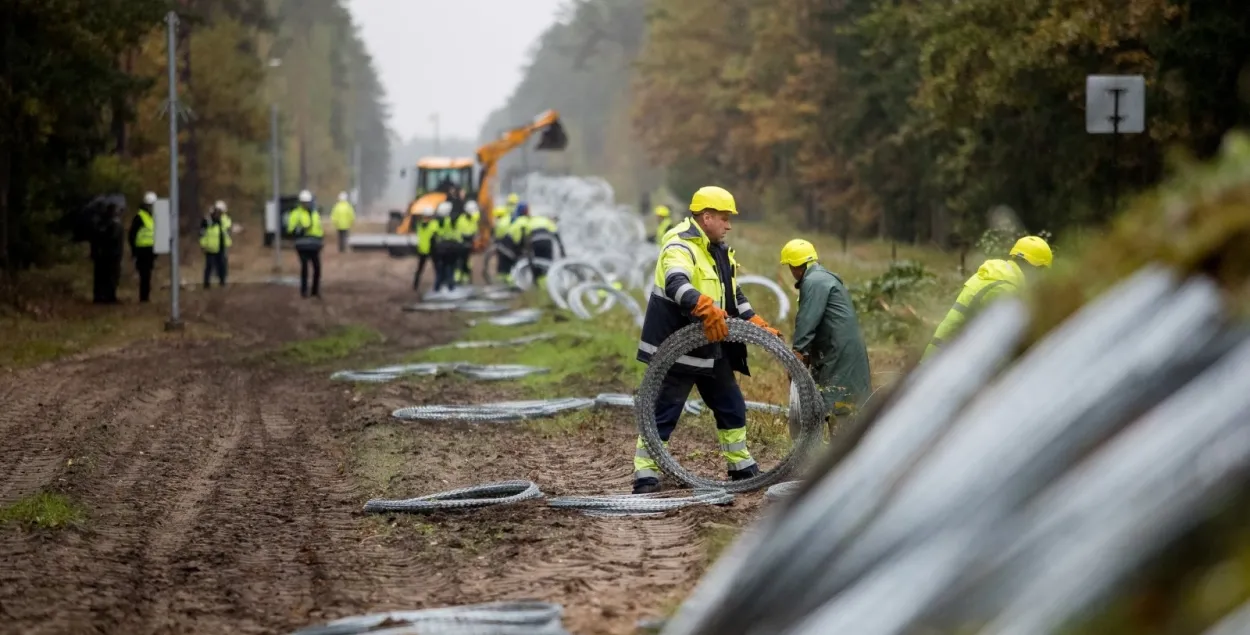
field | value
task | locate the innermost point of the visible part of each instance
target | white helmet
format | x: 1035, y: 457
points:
x: 444, y: 208
x: 425, y: 210
x: 305, y: 196
x: 220, y: 205
x: 471, y: 207
x: 150, y: 198
x: 342, y: 196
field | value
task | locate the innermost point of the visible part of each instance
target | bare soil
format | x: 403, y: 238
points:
x: 223, y: 486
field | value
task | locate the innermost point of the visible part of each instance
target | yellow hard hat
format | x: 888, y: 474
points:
x: 712, y: 197
x: 513, y: 198
x: 1033, y: 250
x: 798, y: 252
x: 662, y: 211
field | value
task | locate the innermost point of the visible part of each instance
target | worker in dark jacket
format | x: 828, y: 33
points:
x: 826, y: 333
x: 142, y: 245
x: 107, y: 249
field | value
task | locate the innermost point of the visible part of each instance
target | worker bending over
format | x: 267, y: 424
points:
x: 446, y: 248
x: 696, y: 281
x: 214, y: 241
x: 427, y: 228
x: 826, y: 334
x: 305, y: 224
x: 543, y: 237
x: 343, y: 215
x: 994, y: 278
x: 143, y: 245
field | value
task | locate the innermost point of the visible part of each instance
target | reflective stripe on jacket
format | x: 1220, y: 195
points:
x: 147, y: 230
x: 688, y: 268
x: 993, y: 279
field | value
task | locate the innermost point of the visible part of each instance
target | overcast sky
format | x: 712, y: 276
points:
x: 459, y: 58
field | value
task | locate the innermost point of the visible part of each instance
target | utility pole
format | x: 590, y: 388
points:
x: 276, y: 166
x: 175, y: 321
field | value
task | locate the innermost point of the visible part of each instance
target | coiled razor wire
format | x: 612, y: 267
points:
x: 566, y: 273
x: 687, y: 339
x: 640, y: 504
x: 485, y: 495
x: 493, y: 412
x: 466, y: 306
x: 783, y: 300
x: 1127, y: 426
x: 473, y: 371
x: 782, y: 491
x: 495, y: 618
x: 519, y: 317
x: 578, y: 293
x: 516, y: 341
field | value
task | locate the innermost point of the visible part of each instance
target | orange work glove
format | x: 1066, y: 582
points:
x: 802, y: 357
x: 759, y: 321
x: 714, y: 325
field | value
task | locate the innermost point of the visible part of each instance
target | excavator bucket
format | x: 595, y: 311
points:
x: 553, y: 137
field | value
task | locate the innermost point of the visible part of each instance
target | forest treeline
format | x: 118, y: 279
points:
x: 903, y: 118
x: 83, y: 104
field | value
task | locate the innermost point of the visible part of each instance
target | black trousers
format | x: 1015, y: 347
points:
x: 343, y: 240
x: 145, y: 261
x: 309, y: 258
x: 422, y: 259
x: 105, y: 274
x: 214, y: 262
x: 462, y: 264
x: 445, y: 269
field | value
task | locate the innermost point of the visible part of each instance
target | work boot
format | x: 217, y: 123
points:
x: 744, y: 474
x: 646, y: 485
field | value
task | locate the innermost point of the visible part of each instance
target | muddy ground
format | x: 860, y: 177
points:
x: 223, y: 485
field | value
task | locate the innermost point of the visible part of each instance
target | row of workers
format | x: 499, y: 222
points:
x: 696, y: 281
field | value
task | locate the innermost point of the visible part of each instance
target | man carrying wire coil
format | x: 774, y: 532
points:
x: 696, y: 280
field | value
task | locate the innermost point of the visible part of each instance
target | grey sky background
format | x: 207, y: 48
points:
x: 459, y: 58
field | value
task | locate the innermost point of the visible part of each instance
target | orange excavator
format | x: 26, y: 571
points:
x: 437, y: 175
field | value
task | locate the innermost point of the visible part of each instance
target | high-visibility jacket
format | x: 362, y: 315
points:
x: 343, y: 215
x: 502, y: 216
x: 226, y: 224
x: 425, y: 236
x: 662, y: 228
x: 690, y: 265
x: 146, y: 237
x: 214, y: 237
x: 466, y: 225
x: 993, y: 279
x: 519, y: 229
x: 305, y: 225
x: 447, y: 231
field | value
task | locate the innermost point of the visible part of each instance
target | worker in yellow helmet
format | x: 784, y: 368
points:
x: 663, y: 222
x: 696, y: 281
x: 826, y: 333
x: 994, y: 278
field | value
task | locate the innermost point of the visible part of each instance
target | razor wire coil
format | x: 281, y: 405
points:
x: 485, y: 495
x: 495, y: 618
x: 633, y: 504
x: 494, y: 412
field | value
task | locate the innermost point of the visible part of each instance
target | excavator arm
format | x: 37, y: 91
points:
x: 553, y: 138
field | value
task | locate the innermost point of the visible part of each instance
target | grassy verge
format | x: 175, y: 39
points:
x: 339, y: 343
x: 43, y: 511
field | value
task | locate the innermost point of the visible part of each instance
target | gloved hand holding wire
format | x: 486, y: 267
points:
x: 762, y: 323
x: 713, y: 317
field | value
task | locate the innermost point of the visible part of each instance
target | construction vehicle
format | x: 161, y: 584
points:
x: 436, y: 175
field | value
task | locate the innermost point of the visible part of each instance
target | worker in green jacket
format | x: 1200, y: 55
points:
x: 427, y: 230
x: 994, y: 279
x: 826, y: 333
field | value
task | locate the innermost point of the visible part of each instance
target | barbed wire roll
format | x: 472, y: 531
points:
x: 499, y: 371
x: 448, y: 295
x: 557, y: 288
x: 495, y: 618
x: 782, y: 490
x: 577, y: 295
x: 425, y: 307
x: 516, y: 341
x: 783, y: 300
x: 688, y: 339
x: 519, y: 317
x: 387, y: 373
x: 501, y: 411
x: 485, y: 495
x: 631, y: 504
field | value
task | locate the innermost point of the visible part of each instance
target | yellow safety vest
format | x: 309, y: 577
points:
x: 539, y: 223
x: 425, y: 236
x: 301, y: 217
x: 467, y: 226
x: 146, y: 236
x: 343, y: 215
x: 662, y: 228
x: 519, y: 228
x: 215, y: 237
x: 691, y: 240
x: 992, y: 279
x: 447, y: 231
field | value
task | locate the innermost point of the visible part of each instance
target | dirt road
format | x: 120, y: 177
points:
x: 223, y: 489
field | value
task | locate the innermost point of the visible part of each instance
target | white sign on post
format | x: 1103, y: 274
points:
x: 1115, y: 98
x: 271, y: 218
x: 160, y: 218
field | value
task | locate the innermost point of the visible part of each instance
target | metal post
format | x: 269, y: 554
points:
x: 175, y: 322
x: 277, y: 193
x: 356, y: 175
